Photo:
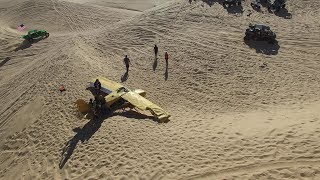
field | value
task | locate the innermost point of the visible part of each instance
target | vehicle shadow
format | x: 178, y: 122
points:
x: 24, y: 45
x: 264, y: 47
x: 209, y: 2
x: 256, y: 7
x: 4, y: 61
x: 132, y: 114
x: 234, y: 9
x: 283, y: 13
x: 265, y: 3
x: 82, y: 134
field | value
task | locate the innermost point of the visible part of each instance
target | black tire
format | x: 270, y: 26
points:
x: 30, y: 40
x: 239, y: 3
x: 283, y: 6
x: 47, y: 35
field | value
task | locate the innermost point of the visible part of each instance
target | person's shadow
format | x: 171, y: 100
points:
x: 155, y: 64
x: 4, y: 61
x: 166, y: 75
x: 125, y: 76
x: 82, y: 134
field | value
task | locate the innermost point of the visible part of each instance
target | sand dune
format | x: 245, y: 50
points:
x: 239, y: 111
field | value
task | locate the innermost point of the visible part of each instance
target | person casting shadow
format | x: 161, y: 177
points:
x: 155, y: 62
x: 127, y: 62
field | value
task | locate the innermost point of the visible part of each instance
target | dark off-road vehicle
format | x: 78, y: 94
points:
x: 259, y: 32
x: 229, y: 3
x: 277, y: 5
x: 35, y: 35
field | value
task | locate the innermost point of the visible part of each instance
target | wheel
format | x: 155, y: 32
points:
x: 283, y: 6
x: 47, y: 35
x: 239, y: 3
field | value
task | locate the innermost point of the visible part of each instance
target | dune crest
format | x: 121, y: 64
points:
x: 238, y: 110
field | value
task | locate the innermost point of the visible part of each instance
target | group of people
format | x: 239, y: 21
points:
x: 98, y: 105
x: 127, y: 62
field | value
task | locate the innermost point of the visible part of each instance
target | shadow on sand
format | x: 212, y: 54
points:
x: 90, y: 128
x: 125, y: 76
x: 24, y: 45
x: 234, y: 9
x: 133, y: 115
x: 209, y: 2
x: 166, y: 74
x: 82, y: 134
x: 155, y: 64
x: 264, y: 47
x: 283, y: 13
x: 265, y: 3
x: 4, y: 61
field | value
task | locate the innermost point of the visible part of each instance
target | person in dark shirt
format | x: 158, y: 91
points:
x: 126, y: 62
x: 155, y: 50
x: 97, y: 87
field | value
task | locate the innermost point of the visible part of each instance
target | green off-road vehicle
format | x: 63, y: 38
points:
x: 35, y: 35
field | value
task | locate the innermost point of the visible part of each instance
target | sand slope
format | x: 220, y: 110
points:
x: 238, y: 111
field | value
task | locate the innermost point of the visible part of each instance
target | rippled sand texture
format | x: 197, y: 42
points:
x: 239, y: 111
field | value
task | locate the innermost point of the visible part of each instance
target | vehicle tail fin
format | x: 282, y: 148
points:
x: 82, y: 106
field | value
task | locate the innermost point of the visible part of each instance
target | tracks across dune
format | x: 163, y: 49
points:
x: 237, y: 110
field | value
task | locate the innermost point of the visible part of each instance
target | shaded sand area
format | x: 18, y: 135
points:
x: 239, y: 111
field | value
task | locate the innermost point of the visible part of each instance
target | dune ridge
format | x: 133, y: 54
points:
x: 238, y: 111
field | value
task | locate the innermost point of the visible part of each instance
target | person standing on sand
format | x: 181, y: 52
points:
x: 126, y: 62
x: 166, y: 57
x: 97, y: 87
x: 155, y: 50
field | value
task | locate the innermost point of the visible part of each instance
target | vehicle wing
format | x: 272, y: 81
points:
x: 107, y: 85
x: 144, y: 104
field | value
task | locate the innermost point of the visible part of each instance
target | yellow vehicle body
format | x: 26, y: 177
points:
x: 119, y: 96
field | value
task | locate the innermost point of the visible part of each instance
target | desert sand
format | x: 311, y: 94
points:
x: 239, y: 111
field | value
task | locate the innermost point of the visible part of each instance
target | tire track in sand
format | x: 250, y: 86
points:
x: 253, y: 168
